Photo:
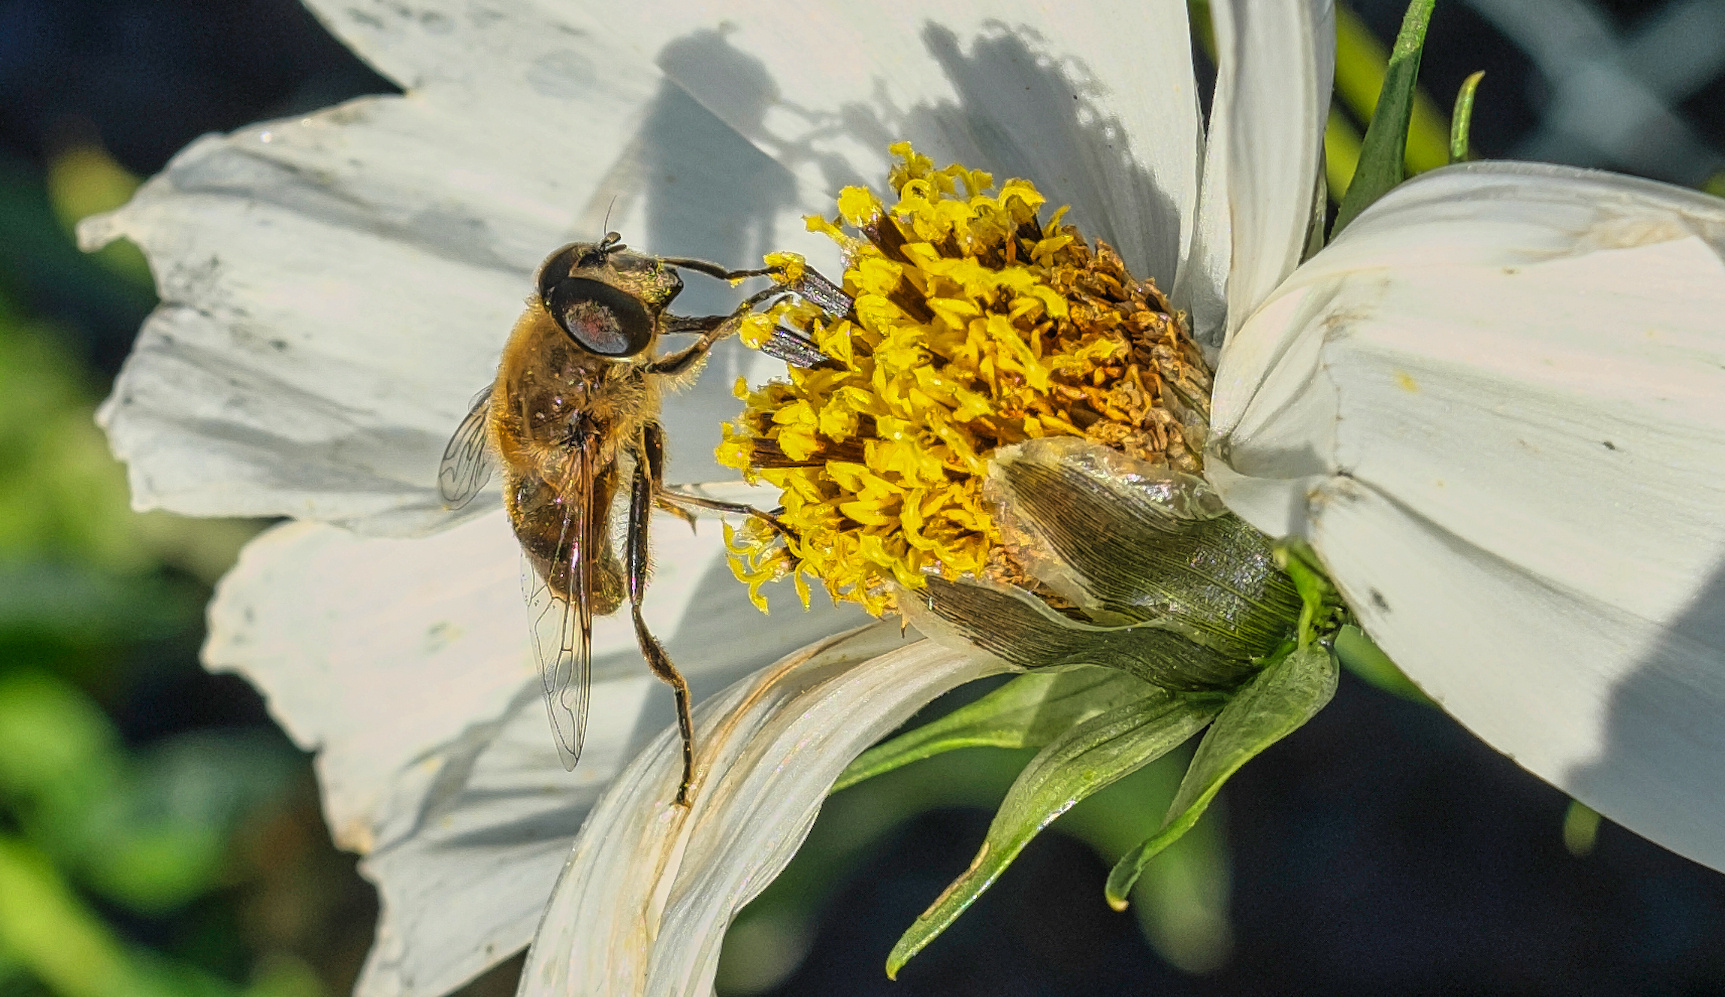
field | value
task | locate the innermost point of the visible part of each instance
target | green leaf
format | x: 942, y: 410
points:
x: 80, y: 604
x: 1322, y: 610
x: 59, y: 758
x: 160, y: 867
x: 1384, y: 150
x: 1027, y: 712
x: 149, y: 831
x: 161, y: 838
x: 1278, y: 702
x: 1341, y: 154
x: 51, y: 931
x: 1181, y: 901
x: 1079, y: 762
x: 1462, y: 119
x: 1361, y: 63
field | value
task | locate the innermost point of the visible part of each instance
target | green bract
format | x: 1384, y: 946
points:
x: 1027, y: 712
x: 1385, y: 147
x: 1150, y: 614
x: 1081, y: 760
x: 1270, y: 707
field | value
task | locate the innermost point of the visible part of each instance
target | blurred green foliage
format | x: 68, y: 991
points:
x: 204, y: 843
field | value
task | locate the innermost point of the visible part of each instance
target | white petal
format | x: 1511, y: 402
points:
x: 651, y: 887
x: 336, y: 288
x: 1276, y: 61
x: 1618, y: 710
x: 1201, y: 288
x: 1497, y: 407
x: 1094, y: 102
x: 373, y: 652
x: 472, y: 837
x: 405, y: 663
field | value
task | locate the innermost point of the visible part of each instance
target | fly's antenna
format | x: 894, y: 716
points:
x: 613, y: 241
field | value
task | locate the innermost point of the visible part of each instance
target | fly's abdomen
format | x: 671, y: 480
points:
x: 548, y: 526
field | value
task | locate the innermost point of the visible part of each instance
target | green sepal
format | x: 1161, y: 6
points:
x: 1273, y: 705
x: 1322, y: 609
x: 1384, y: 151
x: 1462, y: 120
x: 1077, y: 763
x: 1027, y: 712
x: 1132, y: 542
x: 1021, y: 629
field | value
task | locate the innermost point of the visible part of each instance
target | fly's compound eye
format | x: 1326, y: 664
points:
x: 598, y: 317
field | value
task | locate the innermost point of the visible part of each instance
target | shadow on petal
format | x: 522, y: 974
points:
x: 706, y: 192
x: 1023, y: 109
x: 475, y: 831
x: 1027, y: 112
x: 651, y: 887
x: 1661, y: 765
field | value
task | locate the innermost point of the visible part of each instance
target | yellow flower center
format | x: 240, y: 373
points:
x: 975, y: 326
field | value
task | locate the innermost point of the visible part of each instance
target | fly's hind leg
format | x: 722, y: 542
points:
x: 649, y: 454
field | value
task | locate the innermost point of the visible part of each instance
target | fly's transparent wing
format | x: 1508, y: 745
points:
x: 466, y: 465
x: 560, y: 644
x: 563, y: 623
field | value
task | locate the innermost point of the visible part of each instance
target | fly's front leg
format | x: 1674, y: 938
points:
x: 713, y: 269
x: 648, y: 451
x: 801, y: 280
x: 712, y: 329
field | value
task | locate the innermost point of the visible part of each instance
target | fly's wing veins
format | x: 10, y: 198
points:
x: 562, y: 628
x: 466, y: 465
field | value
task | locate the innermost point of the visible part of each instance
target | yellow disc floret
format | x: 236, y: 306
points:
x: 975, y: 326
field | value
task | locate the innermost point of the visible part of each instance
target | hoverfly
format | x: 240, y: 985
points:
x: 574, y: 411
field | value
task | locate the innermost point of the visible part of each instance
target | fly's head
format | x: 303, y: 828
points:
x: 607, y: 300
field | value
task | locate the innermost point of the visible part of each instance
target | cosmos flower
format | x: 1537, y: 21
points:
x: 1492, y: 406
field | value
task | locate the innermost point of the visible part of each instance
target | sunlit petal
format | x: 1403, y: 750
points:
x: 644, y: 902
x: 405, y: 663
x: 387, y: 649
x: 337, y: 287
x: 1275, y: 63
x: 1495, y: 407
x: 1617, y: 709
x: 474, y: 835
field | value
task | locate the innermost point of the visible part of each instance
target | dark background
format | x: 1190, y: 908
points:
x: 1379, y: 850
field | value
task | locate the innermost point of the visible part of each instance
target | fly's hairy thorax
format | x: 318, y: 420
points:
x: 555, y: 407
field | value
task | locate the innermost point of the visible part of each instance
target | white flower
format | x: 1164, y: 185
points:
x: 1493, y: 407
